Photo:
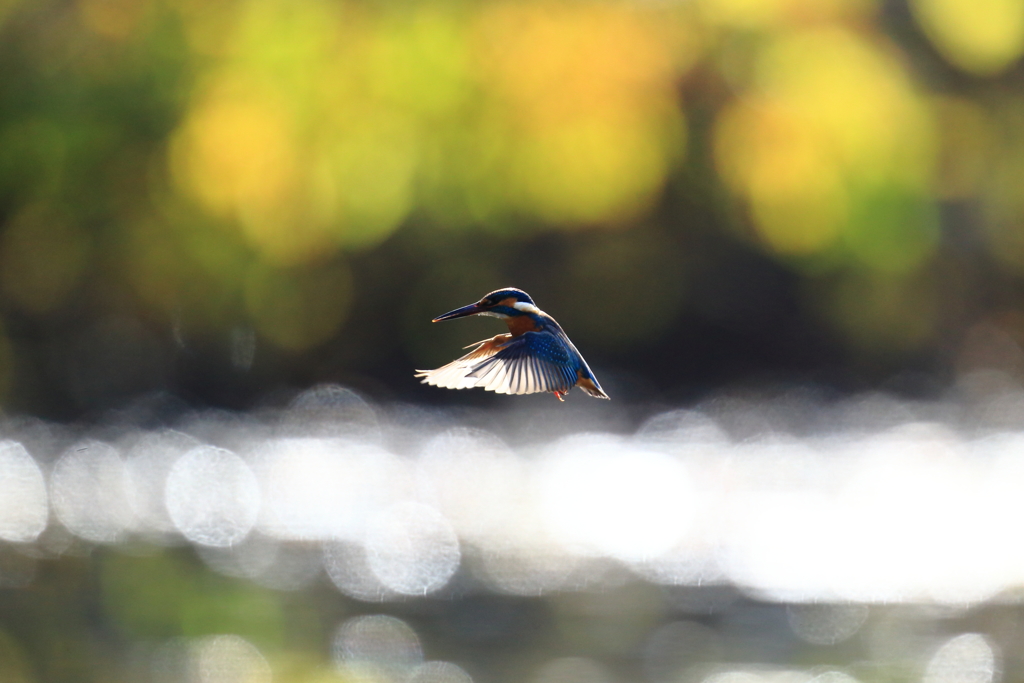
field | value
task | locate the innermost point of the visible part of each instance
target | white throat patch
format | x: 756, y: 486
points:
x: 525, y: 307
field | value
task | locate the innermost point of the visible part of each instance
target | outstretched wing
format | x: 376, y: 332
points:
x: 530, y: 363
x: 455, y: 375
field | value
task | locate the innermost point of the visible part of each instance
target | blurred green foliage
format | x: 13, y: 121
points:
x: 164, y: 596
x: 311, y: 170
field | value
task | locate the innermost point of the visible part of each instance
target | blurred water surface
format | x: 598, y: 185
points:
x: 336, y: 539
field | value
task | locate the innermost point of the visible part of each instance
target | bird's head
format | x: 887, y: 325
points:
x: 501, y: 303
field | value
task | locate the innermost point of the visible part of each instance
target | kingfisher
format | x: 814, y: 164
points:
x: 535, y: 355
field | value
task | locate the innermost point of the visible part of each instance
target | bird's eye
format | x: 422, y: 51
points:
x: 485, y: 302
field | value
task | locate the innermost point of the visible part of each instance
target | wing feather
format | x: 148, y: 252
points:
x: 495, y: 378
x: 530, y: 363
x: 513, y: 379
x: 456, y: 375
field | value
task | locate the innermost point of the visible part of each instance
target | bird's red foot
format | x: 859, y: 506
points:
x: 560, y: 394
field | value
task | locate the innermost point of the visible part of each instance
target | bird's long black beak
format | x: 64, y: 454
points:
x: 471, y: 309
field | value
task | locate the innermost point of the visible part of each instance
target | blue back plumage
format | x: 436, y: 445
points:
x: 549, y: 347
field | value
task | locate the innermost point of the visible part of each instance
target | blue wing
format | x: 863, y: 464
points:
x: 530, y: 363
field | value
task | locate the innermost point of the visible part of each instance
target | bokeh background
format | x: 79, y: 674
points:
x: 227, y: 199
x: 225, y: 227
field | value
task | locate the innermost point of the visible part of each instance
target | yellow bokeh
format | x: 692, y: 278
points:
x: 587, y: 92
x: 982, y: 37
x: 803, y: 219
x: 591, y: 172
x: 367, y: 174
x: 237, y: 154
x: 553, y: 62
x: 322, y: 126
x: 307, y: 134
x: 830, y: 118
x: 788, y: 170
x: 42, y: 257
x: 464, y: 174
x: 240, y: 152
x: 418, y: 59
x: 304, y: 50
x: 857, y: 94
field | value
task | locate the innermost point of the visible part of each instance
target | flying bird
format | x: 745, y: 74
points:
x: 535, y: 355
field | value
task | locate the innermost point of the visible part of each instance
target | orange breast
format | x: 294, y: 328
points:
x: 519, y: 324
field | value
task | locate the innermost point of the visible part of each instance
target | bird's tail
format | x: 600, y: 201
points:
x: 591, y: 387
